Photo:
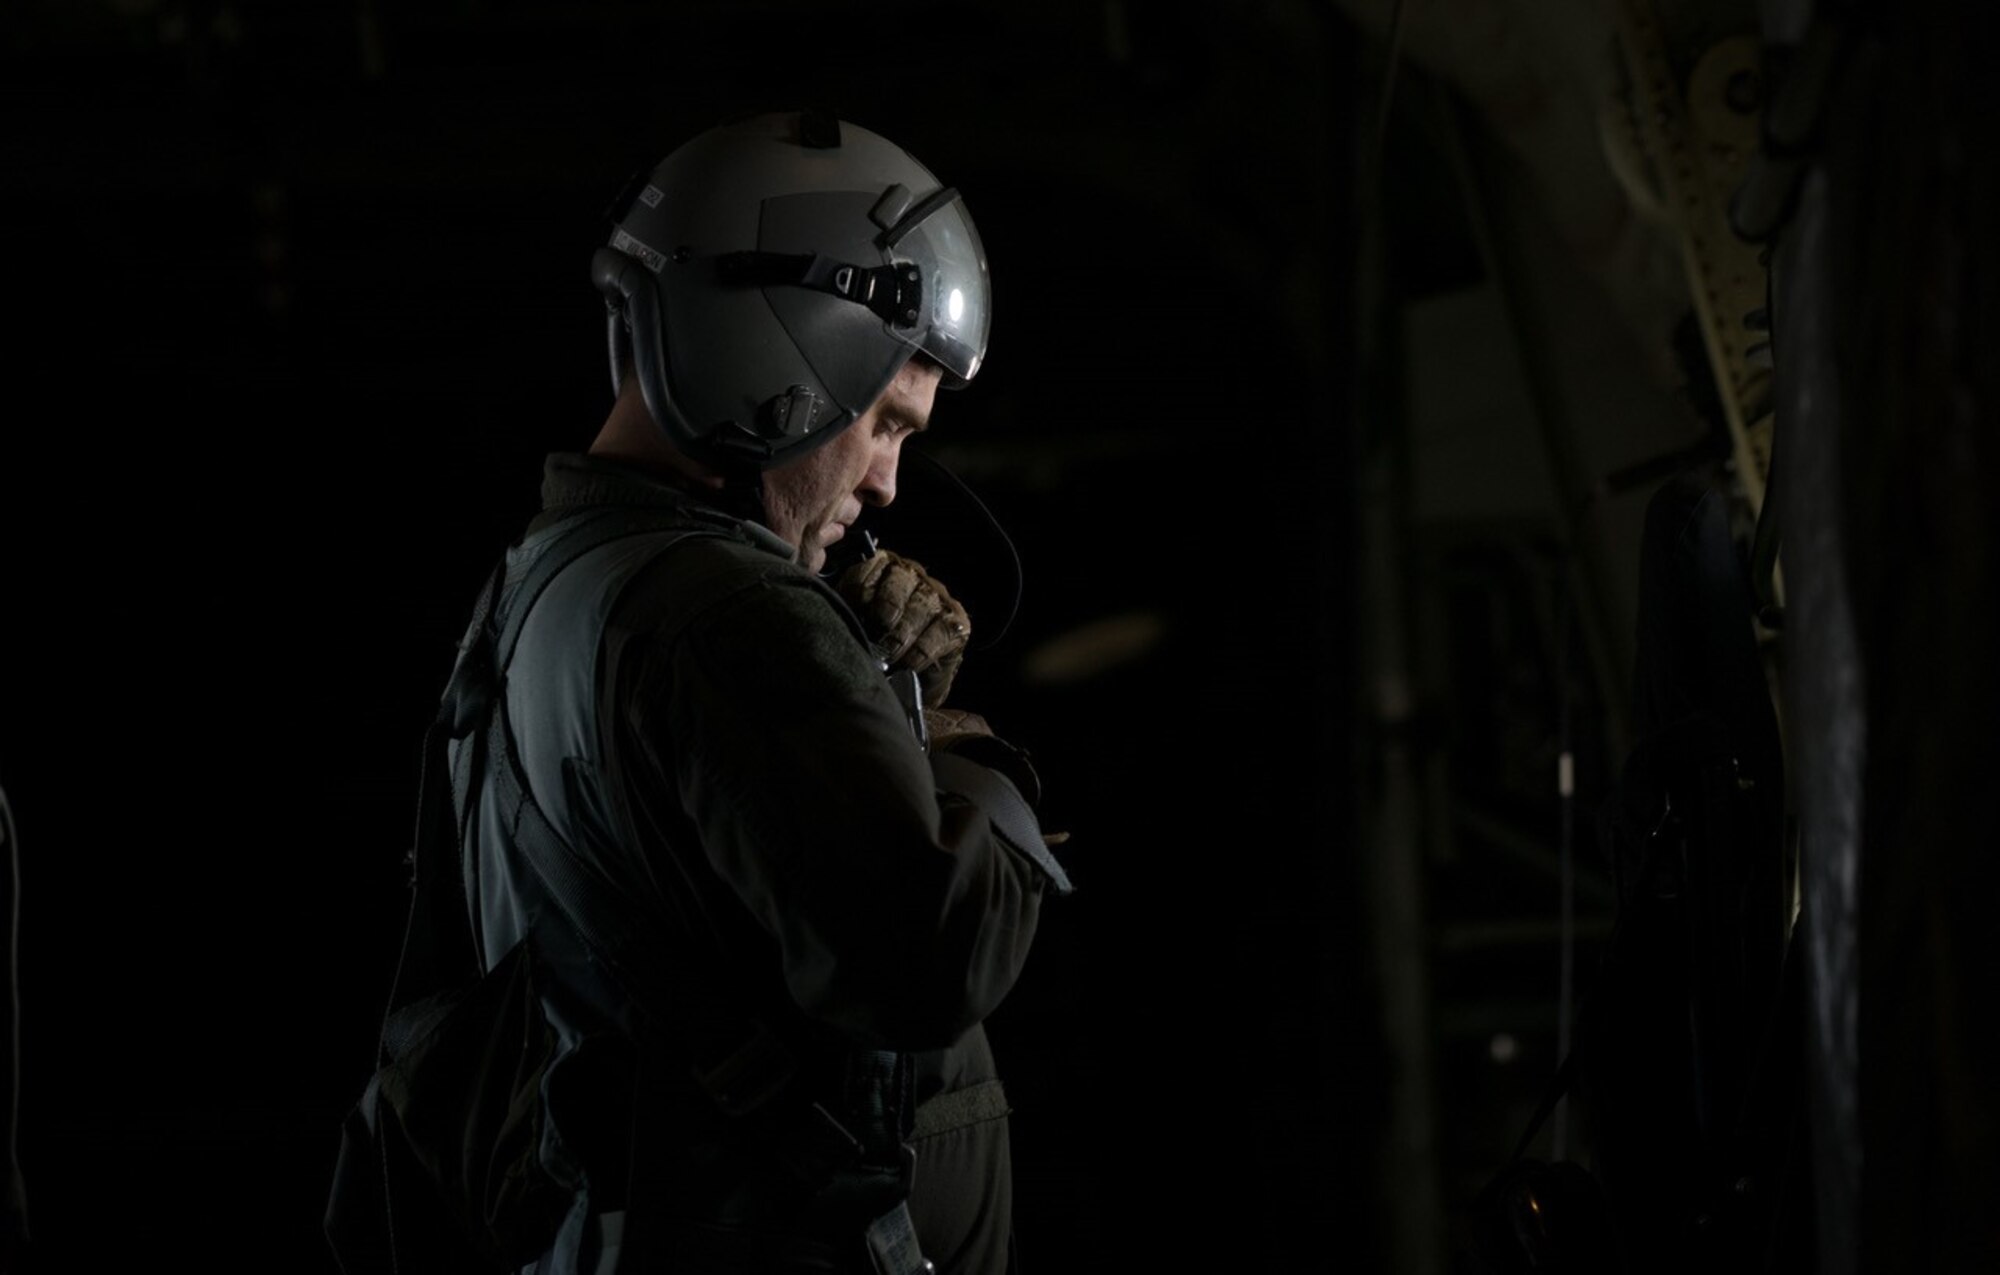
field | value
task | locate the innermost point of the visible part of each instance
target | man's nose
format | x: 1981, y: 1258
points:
x: 878, y: 485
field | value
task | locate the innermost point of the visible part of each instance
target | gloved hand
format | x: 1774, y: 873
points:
x: 912, y: 620
x: 949, y: 727
x: 967, y: 734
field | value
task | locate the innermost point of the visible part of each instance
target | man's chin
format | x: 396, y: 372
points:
x: 814, y: 544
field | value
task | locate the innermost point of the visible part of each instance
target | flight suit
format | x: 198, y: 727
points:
x: 705, y: 726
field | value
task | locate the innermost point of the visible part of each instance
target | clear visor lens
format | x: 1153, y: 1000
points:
x: 946, y: 248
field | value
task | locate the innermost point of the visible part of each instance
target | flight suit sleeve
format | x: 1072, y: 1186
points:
x: 900, y: 891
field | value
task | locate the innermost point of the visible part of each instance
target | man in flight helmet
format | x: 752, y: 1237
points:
x: 767, y: 884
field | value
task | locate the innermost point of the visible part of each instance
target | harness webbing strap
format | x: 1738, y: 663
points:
x: 738, y: 1064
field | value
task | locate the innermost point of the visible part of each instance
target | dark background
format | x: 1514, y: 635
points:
x: 306, y: 303
x: 1322, y: 405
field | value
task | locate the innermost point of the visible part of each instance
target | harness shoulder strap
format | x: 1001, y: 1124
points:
x: 740, y: 1065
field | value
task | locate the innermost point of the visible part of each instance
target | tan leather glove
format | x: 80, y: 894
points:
x: 912, y: 620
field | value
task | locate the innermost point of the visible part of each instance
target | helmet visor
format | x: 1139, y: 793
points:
x: 957, y: 292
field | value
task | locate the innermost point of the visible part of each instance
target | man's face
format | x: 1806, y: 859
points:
x: 812, y: 501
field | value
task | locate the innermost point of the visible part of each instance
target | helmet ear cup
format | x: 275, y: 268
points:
x: 632, y: 321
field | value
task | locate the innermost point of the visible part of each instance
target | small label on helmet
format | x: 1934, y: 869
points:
x: 651, y: 196
x: 651, y: 257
